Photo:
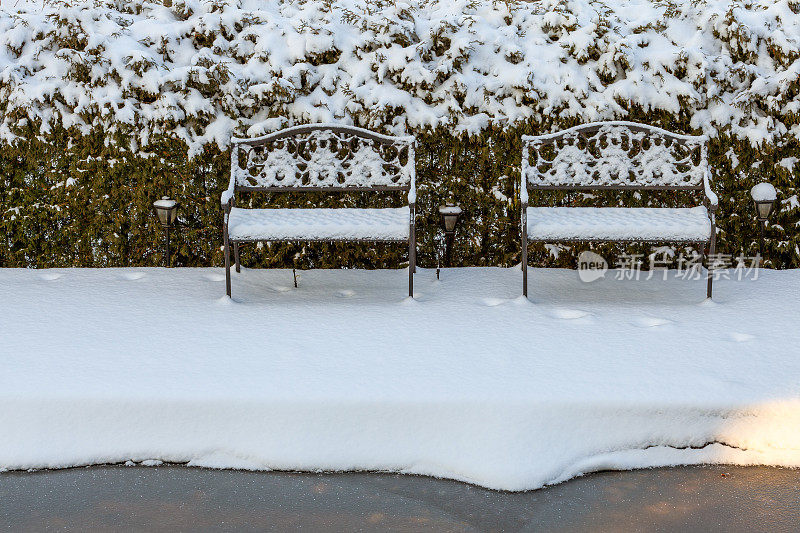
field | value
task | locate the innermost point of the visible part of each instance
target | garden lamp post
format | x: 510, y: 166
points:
x: 764, y: 196
x: 166, y: 210
x: 448, y: 215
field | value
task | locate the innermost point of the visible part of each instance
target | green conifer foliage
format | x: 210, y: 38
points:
x: 94, y: 127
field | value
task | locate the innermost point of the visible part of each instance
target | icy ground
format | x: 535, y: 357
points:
x: 468, y: 381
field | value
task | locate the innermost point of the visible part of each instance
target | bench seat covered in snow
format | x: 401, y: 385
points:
x: 658, y: 224
x: 320, y: 158
x: 344, y: 224
x: 616, y: 156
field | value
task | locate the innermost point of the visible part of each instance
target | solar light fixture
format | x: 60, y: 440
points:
x: 764, y: 197
x: 448, y: 215
x: 166, y: 211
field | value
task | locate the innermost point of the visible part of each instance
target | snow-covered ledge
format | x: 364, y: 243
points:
x: 470, y: 382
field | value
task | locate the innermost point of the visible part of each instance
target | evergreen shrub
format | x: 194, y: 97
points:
x: 107, y: 105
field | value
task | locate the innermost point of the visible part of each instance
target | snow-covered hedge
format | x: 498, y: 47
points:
x: 131, y: 77
x: 204, y: 69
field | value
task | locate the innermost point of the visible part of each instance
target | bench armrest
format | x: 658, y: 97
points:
x: 713, y: 201
x: 523, y: 183
x: 229, y: 193
x: 412, y: 182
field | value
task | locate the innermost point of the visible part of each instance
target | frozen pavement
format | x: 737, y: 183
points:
x: 166, y: 498
x: 468, y: 381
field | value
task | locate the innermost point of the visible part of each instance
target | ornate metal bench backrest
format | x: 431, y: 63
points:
x: 324, y: 157
x: 614, y: 155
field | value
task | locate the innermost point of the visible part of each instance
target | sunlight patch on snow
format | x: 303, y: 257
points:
x: 651, y: 322
x: 741, y: 337
x: 283, y: 288
x: 132, y: 276
x: 568, y: 314
x: 346, y: 293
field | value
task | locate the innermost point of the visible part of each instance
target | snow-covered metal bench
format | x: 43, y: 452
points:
x: 616, y: 156
x: 317, y: 158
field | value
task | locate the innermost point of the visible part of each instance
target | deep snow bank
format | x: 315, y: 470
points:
x: 468, y: 381
x: 201, y: 69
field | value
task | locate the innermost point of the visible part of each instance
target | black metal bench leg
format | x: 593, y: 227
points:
x: 524, y: 250
x: 711, y: 253
x: 412, y: 257
x: 236, y: 256
x: 227, y: 265
x: 411, y: 267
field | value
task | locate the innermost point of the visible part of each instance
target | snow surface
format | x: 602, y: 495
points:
x: 619, y: 223
x: 166, y: 201
x: 320, y: 224
x: 17, y: 6
x: 450, y: 210
x: 467, y: 381
x: 405, y: 139
x: 763, y: 192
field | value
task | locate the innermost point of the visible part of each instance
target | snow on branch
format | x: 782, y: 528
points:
x: 205, y: 70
